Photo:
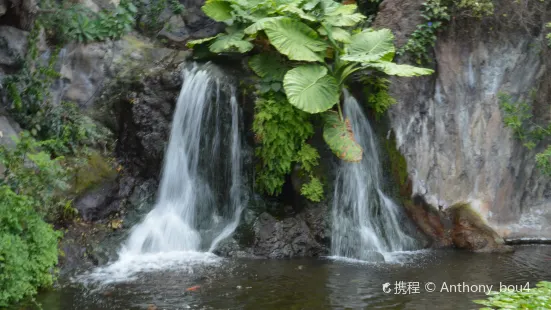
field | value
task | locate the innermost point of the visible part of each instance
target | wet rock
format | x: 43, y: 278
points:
x: 3, y: 7
x: 472, y: 233
x: 289, y: 237
x: 13, y: 46
x: 402, y: 17
x: 91, y: 205
x: 449, y: 126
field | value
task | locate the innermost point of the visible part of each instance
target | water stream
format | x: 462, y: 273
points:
x: 366, y: 222
x: 201, y: 194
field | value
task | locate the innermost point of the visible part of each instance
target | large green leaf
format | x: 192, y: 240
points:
x: 290, y: 8
x: 231, y: 42
x: 340, y: 15
x: 391, y: 68
x: 340, y: 138
x: 311, y: 89
x: 369, y: 46
x: 262, y: 23
x: 347, y: 20
x: 218, y: 10
x: 295, y: 40
x: 340, y: 35
x: 192, y: 43
x: 271, y: 65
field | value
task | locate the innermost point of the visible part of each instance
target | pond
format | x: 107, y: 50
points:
x: 323, y: 283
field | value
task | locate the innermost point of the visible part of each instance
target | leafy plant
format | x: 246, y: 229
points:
x: 534, y: 298
x: 517, y: 115
x: 33, y: 173
x: 80, y: 24
x: 320, y: 47
x: 476, y: 8
x: 150, y: 13
x: 376, y: 92
x: 28, y: 248
x: 304, y: 52
x: 281, y: 131
x: 435, y: 15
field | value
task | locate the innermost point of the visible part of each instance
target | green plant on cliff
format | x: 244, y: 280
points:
x: 518, y: 116
x: 529, y: 298
x: 79, y: 23
x: 317, y: 46
x: 435, y: 15
x: 28, y: 248
x: 376, y: 93
x: 150, y: 13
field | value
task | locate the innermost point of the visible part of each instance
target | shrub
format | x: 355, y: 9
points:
x: 28, y: 248
x: 535, y: 298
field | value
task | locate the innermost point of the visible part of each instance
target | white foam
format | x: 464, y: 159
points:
x: 129, y: 266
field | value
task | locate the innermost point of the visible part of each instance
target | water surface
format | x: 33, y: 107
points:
x: 310, y: 283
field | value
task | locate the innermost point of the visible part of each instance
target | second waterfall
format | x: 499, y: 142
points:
x: 366, y: 222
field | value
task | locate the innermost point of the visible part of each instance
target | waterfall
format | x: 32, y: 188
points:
x: 200, y: 198
x: 365, y: 220
x: 201, y: 194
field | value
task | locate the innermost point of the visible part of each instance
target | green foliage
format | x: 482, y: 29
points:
x: 517, y: 115
x: 29, y: 89
x: 31, y: 172
x: 311, y: 89
x: 150, y: 13
x: 435, y: 15
x: 28, y: 248
x: 376, y: 92
x: 313, y: 190
x: 281, y: 131
x: 538, y: 298
x: 80, y: 24
x: 319, y: 49
x: 548, y: 36
x: 308, y: 158
x: 476, y: 8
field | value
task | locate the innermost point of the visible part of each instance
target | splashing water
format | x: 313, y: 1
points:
x: 366, y: 223
x: 201, y: 193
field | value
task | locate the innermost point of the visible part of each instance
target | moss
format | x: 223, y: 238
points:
x: 397, y: 165
x: 97, y: 170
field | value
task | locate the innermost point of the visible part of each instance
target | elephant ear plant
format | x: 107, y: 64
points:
x: 306, y: 50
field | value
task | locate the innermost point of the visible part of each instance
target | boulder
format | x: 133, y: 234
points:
x: 14, y: 46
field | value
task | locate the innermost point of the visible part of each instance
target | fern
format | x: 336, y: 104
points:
x: 281, y: 131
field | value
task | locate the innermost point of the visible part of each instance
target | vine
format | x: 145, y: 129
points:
x: 518, y: 117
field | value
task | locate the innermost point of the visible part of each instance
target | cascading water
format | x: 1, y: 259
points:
x: 202, y: 193
x: 365, y: 220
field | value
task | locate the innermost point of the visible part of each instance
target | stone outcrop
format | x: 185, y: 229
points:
x: 450, y: 128
x: 284, y: 234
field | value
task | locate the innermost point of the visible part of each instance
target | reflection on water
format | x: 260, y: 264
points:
x: 312, y: 283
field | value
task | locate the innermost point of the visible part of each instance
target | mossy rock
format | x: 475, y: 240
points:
x: 97, y: 170
x: 471, y: 232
